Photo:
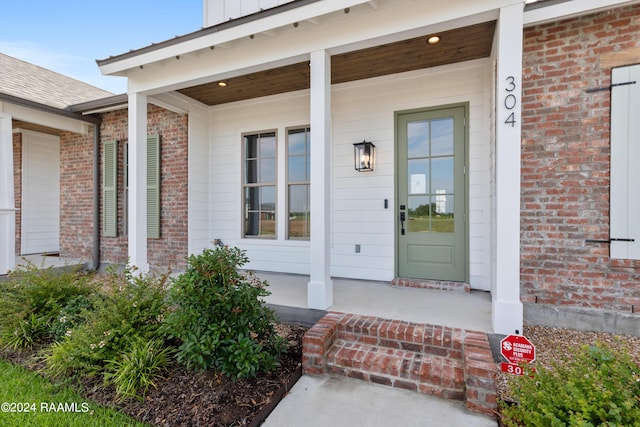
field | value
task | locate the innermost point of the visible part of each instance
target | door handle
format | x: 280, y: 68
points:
x: 402, y: 220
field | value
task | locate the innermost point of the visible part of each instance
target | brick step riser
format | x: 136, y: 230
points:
x: 398, y: 368
x: 415, y: 345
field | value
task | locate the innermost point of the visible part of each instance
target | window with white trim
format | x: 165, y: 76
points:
x: 259, y: 172
x: 625, y: 163
x: 298, y: 163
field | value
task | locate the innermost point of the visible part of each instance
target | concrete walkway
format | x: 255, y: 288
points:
x: 337, y: 402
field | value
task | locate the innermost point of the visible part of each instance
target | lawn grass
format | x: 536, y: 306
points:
x: 49, y: 405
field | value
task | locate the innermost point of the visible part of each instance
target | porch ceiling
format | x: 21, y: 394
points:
x: 461, y: 44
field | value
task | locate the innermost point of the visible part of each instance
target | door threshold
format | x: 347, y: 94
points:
x: 439, y: 285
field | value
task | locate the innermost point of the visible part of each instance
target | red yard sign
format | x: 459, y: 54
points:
x: 517, y: 349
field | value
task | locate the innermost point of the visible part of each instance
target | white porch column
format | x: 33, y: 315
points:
x: 7, y: 200
x: 137, y: 202
x: 506, y: 305
x: 320, y: 287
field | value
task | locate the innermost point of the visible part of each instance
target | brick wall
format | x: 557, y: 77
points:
x: 77, y: 191
x: 565, y: 165
x: 76, y: 195
x: 17, y: 186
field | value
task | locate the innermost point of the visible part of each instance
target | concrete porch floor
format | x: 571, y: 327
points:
x: 461, y: 310
x: 45, y: 261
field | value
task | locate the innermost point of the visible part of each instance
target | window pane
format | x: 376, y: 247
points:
x: 442, y: 136
x: 442, y: 175
x: 298, y: 169
x: 297, y: 142
x: 299, y: 212
x: 267, y: 170
x: 418, y: 139
x: 268, y: 145
x: 251, y: 146
x: 250, y: 171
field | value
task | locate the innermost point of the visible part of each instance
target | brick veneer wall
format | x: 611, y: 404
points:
x: 170, y: 250
x: 565, y: 166
x: 76, y: 195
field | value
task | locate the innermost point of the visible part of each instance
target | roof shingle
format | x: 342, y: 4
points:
x: 31, y: 82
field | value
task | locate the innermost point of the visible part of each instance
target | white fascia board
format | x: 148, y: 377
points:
x: 386, y: 25
x: 234, y: 33
x: 571, y: 9
x: 45, y: 119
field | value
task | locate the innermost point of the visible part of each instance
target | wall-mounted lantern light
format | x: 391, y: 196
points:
x: 364, y: 153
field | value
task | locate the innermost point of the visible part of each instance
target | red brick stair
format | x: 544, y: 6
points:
x: 437, y: 360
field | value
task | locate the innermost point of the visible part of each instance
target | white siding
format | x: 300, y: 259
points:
x: 40, y: 193
x: 198, y: 180
x: 360, y: 110
x: 218, y: 11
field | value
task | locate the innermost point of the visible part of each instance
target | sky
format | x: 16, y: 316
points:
x: 67, y: 36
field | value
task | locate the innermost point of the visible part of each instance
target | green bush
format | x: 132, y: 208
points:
x: 71, y: 315
x: 137, y: 369
x: 132, y: 309
x: 596, y: 386
x: 218, y: 315
x: 37, y: 293
x: 25, y: 333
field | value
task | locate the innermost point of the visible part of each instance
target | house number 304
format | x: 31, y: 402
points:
x: 510, y: 100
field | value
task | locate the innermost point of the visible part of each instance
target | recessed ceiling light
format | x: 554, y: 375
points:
x: 433, y: 40
x: 222, y: 84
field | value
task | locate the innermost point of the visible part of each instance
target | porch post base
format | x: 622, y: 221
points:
x: 320, y: 295
x: 506, y: 317
x: 7, y: 247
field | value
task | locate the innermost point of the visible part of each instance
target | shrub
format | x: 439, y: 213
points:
x: 132, y: 309
x: 37, y: 293
x: 71, y: 315
x: 596, y: 386
x: 218, y: 315
x: 137, y: 369
x: 25, y: 333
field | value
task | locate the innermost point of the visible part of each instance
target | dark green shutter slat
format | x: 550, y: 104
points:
x: 110, y: 189
x: 153, y: 186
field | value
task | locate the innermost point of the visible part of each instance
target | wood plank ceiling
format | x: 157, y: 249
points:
x: 461, y: 44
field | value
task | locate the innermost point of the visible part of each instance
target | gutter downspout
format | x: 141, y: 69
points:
x: 95, y: 254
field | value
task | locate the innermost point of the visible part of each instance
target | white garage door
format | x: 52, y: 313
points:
x: 40, y: 193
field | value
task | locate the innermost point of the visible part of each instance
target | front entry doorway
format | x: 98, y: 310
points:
x: 431, y: 193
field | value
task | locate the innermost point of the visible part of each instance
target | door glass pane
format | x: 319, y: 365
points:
x: 418, y: 176
x: 442, y: 136
x: 418, y: 139
x: 418, y: 214
x: 442, y: 175
x: 442, y: 220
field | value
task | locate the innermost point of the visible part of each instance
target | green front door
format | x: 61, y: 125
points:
x: 432, y: 229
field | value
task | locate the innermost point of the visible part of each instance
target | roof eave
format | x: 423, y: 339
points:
x: 222, y: 33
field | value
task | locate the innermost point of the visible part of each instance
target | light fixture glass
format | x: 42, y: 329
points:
x: 222, y: 84
x: 364, y: 156
x: 433, y: 40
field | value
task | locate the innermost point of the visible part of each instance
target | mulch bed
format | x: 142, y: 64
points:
x: 188, y: 398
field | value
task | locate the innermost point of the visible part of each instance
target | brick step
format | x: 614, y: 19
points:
x: 431, y: 359
x: 406, y: 369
